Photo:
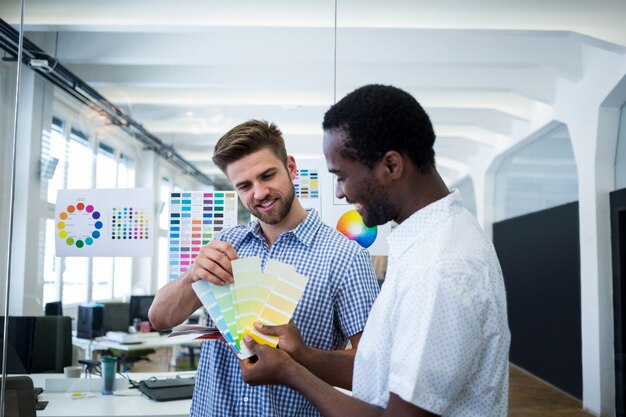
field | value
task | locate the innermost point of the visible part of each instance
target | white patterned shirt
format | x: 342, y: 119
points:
x: 334, y: 306
x: 437, y: 335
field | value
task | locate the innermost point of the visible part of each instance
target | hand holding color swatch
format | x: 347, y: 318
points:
x: 268, y: 297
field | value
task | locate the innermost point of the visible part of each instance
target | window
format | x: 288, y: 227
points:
x: 537, y: 176
x: 81, y: 162
x: 55, y: 150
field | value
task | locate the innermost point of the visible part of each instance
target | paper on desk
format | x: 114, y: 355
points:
x: 184, y: 329
x: 77, y: 395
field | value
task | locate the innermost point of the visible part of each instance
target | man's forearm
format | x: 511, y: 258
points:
x: 332, y: 366
x: 173, y: 303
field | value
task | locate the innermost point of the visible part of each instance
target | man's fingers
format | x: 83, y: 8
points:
x: 225, y: 248
x: 269, y: 330
x: 205, y: 269
x: 215, y: 263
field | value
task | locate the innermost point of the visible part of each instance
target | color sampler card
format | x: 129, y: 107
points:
x: 104, y: 222
x: 268, y: 297
x: 196, y: 217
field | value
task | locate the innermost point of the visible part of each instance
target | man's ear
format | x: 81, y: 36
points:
x: 393, y: 164
x: 292, y: 167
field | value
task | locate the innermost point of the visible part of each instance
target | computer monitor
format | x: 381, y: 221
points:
x: 139, y: 306
x: 20, y: 344
x: 115, y: 317
x: 54, y: 308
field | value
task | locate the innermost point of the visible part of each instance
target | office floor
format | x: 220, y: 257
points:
x: 528, y: 395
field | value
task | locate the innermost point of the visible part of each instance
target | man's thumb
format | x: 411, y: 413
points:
x: 268, y: 330
x: 251, y: 344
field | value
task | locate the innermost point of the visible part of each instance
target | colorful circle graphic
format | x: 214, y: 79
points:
x: 351, y: 225
x: 79, y: 225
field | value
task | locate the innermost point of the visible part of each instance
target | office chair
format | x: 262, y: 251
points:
x: 19, y: 397
x: 126, y: 360
x: 192, y: 348
x: 52, y: 344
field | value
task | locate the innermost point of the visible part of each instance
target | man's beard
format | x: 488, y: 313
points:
x: 279, y: 213
x: 378, y: 209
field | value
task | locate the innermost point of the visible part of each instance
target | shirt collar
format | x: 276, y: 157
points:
x: 409, y: 231
x: 304, y: 232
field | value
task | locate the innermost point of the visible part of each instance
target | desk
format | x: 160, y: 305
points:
x: 133, y: 404
x: 154, y: 342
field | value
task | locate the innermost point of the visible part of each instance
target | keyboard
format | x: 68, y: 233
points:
x: 170, y: 382
x: 168, y: 389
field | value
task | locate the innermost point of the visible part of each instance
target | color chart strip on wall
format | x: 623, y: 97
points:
x: 306, y: 183
x: 196, y: 217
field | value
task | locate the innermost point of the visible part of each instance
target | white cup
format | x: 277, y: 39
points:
x: 73, y: 371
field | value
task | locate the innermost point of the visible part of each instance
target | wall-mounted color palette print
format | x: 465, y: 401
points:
x: 104, y: 222
x: 339, y: 214
x: 307, y: 183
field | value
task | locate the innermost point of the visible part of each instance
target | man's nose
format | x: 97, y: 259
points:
x: 260, y: 192
x: 339, y: 191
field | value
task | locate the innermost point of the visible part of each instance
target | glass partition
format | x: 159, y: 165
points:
x: 16, y: 334
x: 117, y: 106
x: 8, y: 76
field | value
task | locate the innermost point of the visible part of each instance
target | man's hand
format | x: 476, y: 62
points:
x: 213, y: 263
x: 289, y: 339
x: 270, y: 366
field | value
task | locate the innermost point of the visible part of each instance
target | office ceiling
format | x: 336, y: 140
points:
x: 485, y: 71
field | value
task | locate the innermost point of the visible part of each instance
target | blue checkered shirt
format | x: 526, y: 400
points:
x: 337, y: 299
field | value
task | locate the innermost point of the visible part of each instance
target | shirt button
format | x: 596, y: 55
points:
x: 245, y: 399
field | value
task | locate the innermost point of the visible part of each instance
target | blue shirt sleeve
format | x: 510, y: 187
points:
x: 358, y: 289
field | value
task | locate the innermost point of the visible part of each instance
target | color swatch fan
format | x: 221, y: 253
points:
x: 268, y: 297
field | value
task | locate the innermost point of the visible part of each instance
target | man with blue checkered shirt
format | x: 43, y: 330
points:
x: 333, y: 309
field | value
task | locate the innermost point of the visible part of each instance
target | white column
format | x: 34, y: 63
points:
x: 593, y: 130
x: 35, y: 115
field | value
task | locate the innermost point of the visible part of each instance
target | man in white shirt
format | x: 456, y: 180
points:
x: 437, y: 339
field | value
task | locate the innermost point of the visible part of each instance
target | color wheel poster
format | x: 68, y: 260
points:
x: 104, y: 222
x: 307, y: 183
x: 196, y: 217
x: 342, y: 216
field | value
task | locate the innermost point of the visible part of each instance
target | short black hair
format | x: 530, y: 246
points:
x: 378, y: 118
